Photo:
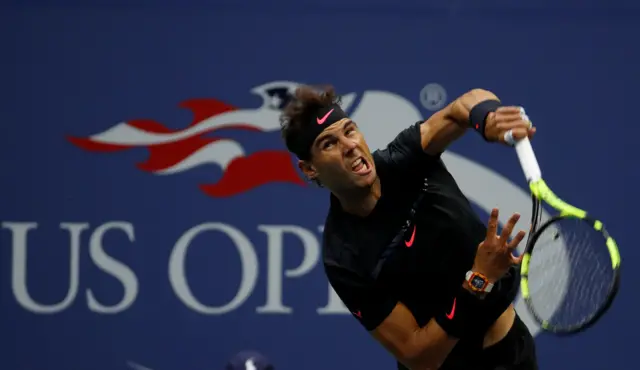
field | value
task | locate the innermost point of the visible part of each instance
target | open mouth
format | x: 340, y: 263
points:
x: 361, y: 166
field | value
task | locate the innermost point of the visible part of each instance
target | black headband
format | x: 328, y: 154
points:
x: 323, y: 118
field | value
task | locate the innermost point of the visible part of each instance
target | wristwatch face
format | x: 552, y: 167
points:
x: 477, y: 282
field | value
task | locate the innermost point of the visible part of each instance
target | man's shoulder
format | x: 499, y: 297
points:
x: 406, y: 142
x: 405, y: 153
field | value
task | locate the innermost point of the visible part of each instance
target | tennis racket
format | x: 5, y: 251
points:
x: 570, y: 270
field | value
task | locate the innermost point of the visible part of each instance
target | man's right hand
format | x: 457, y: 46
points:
x: 495, y: 254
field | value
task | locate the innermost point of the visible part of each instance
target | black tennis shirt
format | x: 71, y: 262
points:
x: 415, y: 247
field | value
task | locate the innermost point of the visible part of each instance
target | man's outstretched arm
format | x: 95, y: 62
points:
x: 450, y: 123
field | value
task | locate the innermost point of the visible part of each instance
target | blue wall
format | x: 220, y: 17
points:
x: 117, y: 247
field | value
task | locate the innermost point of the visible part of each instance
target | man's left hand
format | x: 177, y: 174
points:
x: 498, y: 123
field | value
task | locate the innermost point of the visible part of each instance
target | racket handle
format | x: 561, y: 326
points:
x: 528, y: 160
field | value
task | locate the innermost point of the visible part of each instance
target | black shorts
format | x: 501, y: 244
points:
x: 516, y: 351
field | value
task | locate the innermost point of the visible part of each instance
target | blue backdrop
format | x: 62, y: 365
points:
x: 150, y: 216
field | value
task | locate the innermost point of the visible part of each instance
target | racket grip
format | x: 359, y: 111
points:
x: 528, y: 160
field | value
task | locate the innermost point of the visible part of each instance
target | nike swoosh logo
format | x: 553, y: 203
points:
x: 321, y: 120
x: 453, y: 310
x: 409, y: 242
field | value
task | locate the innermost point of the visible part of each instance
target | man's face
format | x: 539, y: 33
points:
x: 340, y: 158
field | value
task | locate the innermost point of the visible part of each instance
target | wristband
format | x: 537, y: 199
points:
x: 463, y: 312
x: 479, y: 113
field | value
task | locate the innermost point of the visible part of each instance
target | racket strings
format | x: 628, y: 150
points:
x: 570, y: 273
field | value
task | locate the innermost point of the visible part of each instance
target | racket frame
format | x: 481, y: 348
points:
x: 540, y: 192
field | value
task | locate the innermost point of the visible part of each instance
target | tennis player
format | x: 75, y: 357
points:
x: 402, y: 245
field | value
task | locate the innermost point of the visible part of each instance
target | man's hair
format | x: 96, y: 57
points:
x: 300, y: 111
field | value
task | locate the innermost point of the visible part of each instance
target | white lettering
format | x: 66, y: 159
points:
x: 275, y: 246
x: 19, y: 244
x: 113, y: 267
x: 178, y: 278
x: 277, y: 272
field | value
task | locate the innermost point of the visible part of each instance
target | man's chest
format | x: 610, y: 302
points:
x: 424, y: 258
x: 422, y: 251
x: 423, y: 272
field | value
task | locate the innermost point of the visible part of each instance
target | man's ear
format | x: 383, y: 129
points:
x: 308, y: 169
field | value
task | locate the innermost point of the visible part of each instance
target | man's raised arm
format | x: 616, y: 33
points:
x: 478, y: 109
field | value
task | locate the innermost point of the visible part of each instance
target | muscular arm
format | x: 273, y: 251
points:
x: 448, y: 124
x: 392, y: 324
x: 417, y: 348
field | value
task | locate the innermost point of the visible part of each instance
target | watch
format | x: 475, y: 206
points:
x: 478, y: 282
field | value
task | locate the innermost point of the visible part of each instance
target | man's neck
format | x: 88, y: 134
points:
x: 362, y: 202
